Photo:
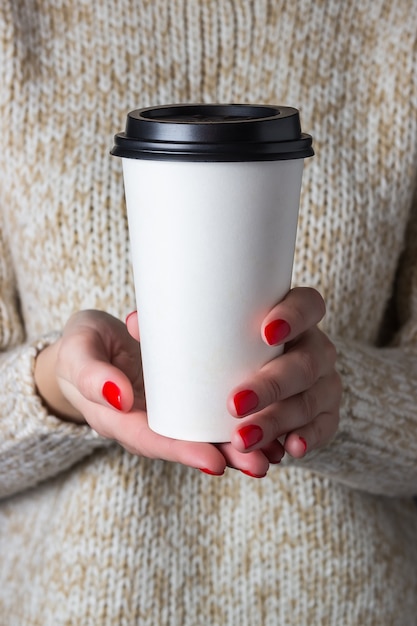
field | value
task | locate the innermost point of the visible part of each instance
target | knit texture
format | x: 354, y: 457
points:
x: 92, y: 535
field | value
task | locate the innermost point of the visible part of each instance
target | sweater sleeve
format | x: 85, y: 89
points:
x: 375, y: 449
x: 33, y: 444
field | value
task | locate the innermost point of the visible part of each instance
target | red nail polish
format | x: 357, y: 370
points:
x: 210, y: 472
x: 250, y: 435
x: 253, y: 475
x: 276, y: 331
x: 245, y: 401
x: 304, y: 443
x: 111, y: 393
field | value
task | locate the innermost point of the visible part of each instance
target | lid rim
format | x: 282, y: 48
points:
x: 213, y: 132
x: 213, y: 158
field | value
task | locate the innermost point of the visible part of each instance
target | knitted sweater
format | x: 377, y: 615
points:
x: 90, y: 535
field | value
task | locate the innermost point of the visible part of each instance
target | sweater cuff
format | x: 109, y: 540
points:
x: 375, y: 448
x: 34, y: 445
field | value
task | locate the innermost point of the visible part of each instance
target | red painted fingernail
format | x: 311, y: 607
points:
x: 304, y: 443
x: 250, y: 435
x: 111, y: 393
x: 276, y: 331
x: 253, y: 475
x: 207, y: 471
x: 245, y: 401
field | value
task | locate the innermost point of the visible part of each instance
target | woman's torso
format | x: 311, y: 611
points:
x: 160, y: 543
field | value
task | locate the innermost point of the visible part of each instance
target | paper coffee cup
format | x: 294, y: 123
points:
x: 212, y: 194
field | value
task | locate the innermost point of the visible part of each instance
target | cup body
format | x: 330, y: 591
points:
x: 212, y: 250
x: 212, y: 194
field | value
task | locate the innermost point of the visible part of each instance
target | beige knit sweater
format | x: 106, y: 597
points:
x: 90, y: 535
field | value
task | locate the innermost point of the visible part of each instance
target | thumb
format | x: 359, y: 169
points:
x: 85, y: 374
x: 132, y: 325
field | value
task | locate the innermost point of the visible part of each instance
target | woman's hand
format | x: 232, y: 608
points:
x: 93, y: 374
x: 295, y: 398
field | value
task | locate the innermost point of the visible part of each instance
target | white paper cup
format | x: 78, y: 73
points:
x: 212, y: 227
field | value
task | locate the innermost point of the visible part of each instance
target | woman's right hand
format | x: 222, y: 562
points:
x: 93, y: 374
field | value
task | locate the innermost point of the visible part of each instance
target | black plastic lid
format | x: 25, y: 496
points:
x: 214, y: 132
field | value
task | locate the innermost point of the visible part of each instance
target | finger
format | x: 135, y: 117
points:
x: 255, y: 464
x: 316, y: 434
x: 293, y: 372
x: 293, y: 414
x: 274, y: 452
x: 131, y: 430
x: 301, y: 309
x: 132, y: 325
x: 84, y: 371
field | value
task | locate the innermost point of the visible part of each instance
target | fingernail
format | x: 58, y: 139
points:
x: 304, y: 444
x: 245, y: 401
x: 210, y: 472
x: 276, y: 331
x: 250, y: 435
x: 111, y: 393
x: 253, y: 475
x: 129, y: 315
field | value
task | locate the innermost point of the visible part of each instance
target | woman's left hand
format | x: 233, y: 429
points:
x: 292, y: 403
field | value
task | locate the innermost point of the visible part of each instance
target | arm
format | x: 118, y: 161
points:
x: 34, y: 444
x: 376, y: 445
x: 296, y: 397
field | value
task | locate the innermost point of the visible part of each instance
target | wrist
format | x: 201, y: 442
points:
x: 48, y: 388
